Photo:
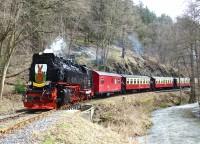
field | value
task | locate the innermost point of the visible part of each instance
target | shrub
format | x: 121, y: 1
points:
x: 20, y: 88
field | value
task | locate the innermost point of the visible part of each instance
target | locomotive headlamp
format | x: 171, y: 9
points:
x: 29, y: 83
x: 48, y: 82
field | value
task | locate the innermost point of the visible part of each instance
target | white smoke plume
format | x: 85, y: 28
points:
x: 136, y: 44
x: 58, y: 47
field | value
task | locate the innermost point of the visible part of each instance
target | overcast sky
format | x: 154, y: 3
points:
x: 172, y: 8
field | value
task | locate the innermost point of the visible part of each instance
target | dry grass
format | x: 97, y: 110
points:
x: 11, y: 103
x: 76, y: 130
x: 130, y: 115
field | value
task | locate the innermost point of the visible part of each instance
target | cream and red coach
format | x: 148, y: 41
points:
x: 163, y: 82
x: 134, y: 82
x: 182, y: 82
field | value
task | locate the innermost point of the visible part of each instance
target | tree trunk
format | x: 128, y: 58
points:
x: 3, y: 77
x: 97, y: 56
x: 198, y: 72
x: 193, y: 93
x: 123, y: 43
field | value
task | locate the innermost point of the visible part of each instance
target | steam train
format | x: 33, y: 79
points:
x: 54, y: 81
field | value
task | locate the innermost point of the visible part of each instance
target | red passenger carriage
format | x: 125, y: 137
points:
x: 106, y: 83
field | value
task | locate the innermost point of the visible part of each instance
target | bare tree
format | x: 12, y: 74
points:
x: 12, y: 33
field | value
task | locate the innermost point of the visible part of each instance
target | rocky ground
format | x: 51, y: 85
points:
x: 132, y: 64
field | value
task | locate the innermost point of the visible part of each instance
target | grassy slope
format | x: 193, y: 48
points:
x: 72, y: 129
x: 130, y: 115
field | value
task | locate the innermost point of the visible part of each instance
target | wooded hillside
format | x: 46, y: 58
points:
x: 29, y: 26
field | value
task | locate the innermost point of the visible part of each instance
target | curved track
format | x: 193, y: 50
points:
x: 14, y: 122
x: 19, y: 120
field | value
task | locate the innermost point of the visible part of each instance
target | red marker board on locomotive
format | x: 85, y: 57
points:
x: 106, y: 82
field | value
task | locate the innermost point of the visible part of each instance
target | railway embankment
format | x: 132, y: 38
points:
x: 130, y: 115
x: 74, y: 129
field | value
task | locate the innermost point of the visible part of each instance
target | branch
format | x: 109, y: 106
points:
x: 16, y: 74
x: 9, y: 83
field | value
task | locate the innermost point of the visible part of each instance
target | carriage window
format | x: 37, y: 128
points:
x: 115, y: 81
x: 131, y: 81
x: 134, y: 81
x: 118, y: 81
x: 102, y: 81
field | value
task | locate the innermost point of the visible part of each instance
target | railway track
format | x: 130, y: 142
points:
x: 16, y: 121
x: 13, y: 116
x: 9, y: 124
